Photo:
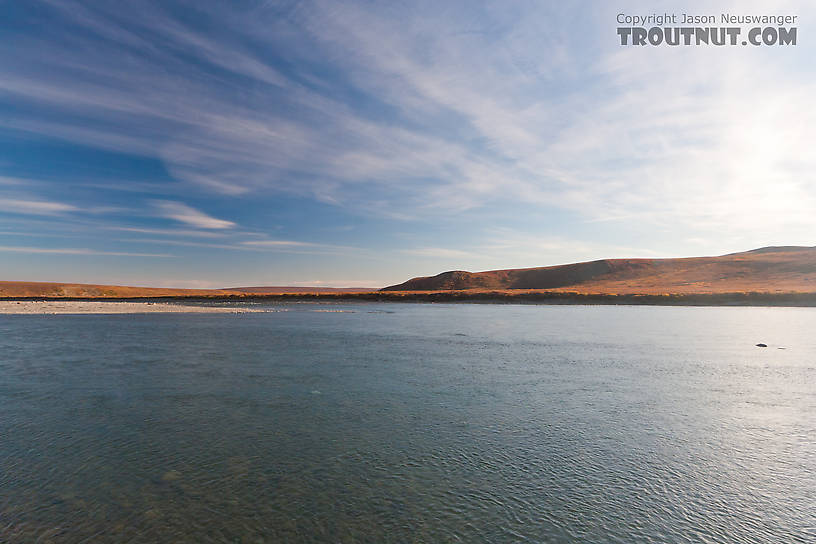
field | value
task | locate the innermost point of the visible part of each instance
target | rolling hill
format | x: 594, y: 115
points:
x: 23, y: 289
x: 272, y: 290
x: 790, y: 269
x: 29, y: 289
x: 776, y: 271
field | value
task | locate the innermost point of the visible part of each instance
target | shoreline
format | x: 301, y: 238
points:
x: 175, y: 303
x: 107, y: 307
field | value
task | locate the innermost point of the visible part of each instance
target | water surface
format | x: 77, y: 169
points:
x: 410, y: 423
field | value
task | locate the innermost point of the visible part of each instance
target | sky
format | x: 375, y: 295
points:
x: 356, y: 143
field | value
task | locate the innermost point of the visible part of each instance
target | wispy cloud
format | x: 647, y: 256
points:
x: 77, y: 251
x: 170, y: 232
x: 263, y: 246
x: 190, y: 216
x: 276, y: 243
x: 474, y: 111
x: 294, y: 246
x: 35, y: 207
x: 409, y: 113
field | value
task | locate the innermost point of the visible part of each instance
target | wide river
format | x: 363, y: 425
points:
x: 410, y: 423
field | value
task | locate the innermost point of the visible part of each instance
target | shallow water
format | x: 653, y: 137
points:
x: 410, y: 423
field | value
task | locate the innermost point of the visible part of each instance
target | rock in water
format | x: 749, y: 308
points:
x: 762, y: 345
x: 171, y: 476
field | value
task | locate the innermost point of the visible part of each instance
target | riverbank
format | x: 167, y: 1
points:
x: 465, y: 296
x: 32, y: 307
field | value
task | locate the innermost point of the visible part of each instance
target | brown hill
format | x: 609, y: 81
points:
x: 771, y: 269
x: 81, y: 290
x: 273, y: 290
x: 25, y: 289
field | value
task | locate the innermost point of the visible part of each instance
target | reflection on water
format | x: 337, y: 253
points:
x: 410, y: 423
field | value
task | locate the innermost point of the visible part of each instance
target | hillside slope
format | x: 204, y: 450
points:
x: 81, y: 290
x: 23, y: 289
x: 271, y: 290
x: 772, y: 269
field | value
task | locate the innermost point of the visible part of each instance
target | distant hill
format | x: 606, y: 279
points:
x: 23, y: 289
x: 81, y: 290
x: 788, y: 269
x: 767, y: 270
x: 298, y: 290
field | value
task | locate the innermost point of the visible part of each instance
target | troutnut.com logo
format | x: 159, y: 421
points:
x: 725, y: 29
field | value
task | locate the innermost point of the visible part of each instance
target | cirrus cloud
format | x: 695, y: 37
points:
x: 190, y: 216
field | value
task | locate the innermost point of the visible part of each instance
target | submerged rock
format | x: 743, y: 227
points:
x: 171, y: 476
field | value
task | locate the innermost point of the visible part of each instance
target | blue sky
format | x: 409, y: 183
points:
x: 206, y: 144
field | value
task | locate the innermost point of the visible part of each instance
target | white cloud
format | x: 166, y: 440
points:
x: 472, y: 108
x: 34, y: 207
x: 76, y: 251
x: 190, y: 216
x: 171, y: 232
x: 275, y: 243
x: 293, y: 246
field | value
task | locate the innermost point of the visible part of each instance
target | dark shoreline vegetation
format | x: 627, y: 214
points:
x: 488, y: 297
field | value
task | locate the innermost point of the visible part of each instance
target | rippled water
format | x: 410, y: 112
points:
x: 410, y: 423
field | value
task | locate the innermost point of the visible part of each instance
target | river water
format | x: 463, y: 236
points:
x: 377, y: 422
